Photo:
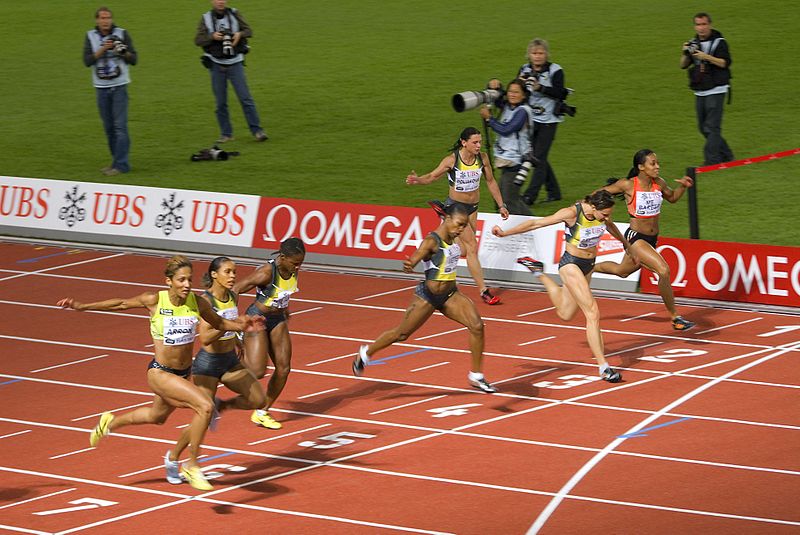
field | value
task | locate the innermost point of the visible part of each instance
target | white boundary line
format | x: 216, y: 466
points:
x: 637, y: 317
x: 428, y: 367
x: 318, y: 393
x: 407, y: 405
x: 39, y: 271
x: 68, y: 363
x: 541, y: 520
x: 6, y: 506
x: 288, y: 434
x: 385, y: 293
x: 729, y: 326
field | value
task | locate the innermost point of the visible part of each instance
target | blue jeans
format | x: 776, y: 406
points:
x: 220, y: 75
x: 113, y: 105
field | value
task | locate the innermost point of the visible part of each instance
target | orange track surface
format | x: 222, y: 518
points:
x: 545, y: 449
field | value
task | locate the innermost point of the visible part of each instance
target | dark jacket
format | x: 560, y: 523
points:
x: 705, y: 75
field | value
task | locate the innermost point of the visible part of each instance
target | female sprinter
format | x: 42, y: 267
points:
x: 644, y: 192
x: 275, y: 282
x: 174, y: 314
x: 439, y: 255
x: 585, y: 222
x: 218, y: 361
x: 464, y: 167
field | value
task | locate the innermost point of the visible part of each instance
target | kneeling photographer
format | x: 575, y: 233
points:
x: 545, y: 81
x: 512, y: 147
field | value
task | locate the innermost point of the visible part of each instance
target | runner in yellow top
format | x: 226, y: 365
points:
x: 174, y: 314
x: 464, y: 167
x: 586, y: 222
x: 275, y: 282
x: 439, y: 254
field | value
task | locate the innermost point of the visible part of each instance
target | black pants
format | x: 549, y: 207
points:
x: 510, y: 191
x: 541, y: 141
x: 709, y: 121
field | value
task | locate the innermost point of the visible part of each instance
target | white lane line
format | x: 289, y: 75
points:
x: 407, y: 405
x: 288, y: 434
x: 349, y: 355
x: 620, y: 352
x: 71, y: 453
x: 431, y: 366
x: 384, y: 293
x: 68, y: 363
x: 318, y: 393
x: 143, y: 470
x: 6, y: 506
x: 70, y: 311
x: 73, y: 344
x: 296, y: 312
x: 541, y: 520
x: 15, y: 434
x: 637, y: 317
x: 523, y: 376
x: 536, y: 341
x: 95, y: 415
x: 729, y: 326
x: 535, y: 312
x: 61, y: 266
x: 441, y: 334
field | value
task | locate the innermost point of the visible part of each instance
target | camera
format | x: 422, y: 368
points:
x: 119, y: 47
x: 227, y: 43
x: 214, y: 153
x: 528, y: 161
x: 562, y: 108
x: 692, y: 46
x: 472, y: 99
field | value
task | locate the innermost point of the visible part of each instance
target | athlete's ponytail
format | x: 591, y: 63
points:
x: 638, y: 159
x: 467, y: 133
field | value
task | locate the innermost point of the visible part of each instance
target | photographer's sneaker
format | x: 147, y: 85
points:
x: 534, y: 266
x: 260, y: 136
x: 360, y: 360
x: 224, y: 139
x: 488, y: 298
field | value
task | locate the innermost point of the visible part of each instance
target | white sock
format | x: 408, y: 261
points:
x: 603, y: 368
x: 475, y: 376
x: 362, y: 354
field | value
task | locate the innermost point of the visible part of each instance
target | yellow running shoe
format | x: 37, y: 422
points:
x: 195, y: 477
x: 101, y: 429
x: 262, y: 418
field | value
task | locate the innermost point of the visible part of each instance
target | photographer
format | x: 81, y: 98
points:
x: 108, y: 49
x: 545, y: 81
x: 513, y: 144
x: 223, y: 34
x: 708, y: 60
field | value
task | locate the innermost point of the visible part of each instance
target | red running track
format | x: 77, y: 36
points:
x: 710, y: 416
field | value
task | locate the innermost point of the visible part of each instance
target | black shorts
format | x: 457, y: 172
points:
x: 437, y: 301
x: 632, y: 236
x: 214, y: 364
x: 271, y: 319
x: 470, y: 208
x: 180, y: 373
x: 585, y: 264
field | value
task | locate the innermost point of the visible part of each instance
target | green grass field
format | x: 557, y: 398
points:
x: 355, y: 94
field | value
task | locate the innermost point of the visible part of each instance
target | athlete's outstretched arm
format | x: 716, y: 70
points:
x: 145, y: 300
x: 259, y: 277
x: 444, y: 166
x: 565, y: 214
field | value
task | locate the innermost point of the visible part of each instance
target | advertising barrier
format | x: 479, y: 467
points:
x: 729, y: 271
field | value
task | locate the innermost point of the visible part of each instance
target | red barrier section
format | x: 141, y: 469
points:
x: 748, y: 161
x: 389, y: 232
x: 730, y: 271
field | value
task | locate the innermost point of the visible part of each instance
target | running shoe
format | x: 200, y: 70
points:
x: 482, y: 385
x: 360, y: 361
x: 438, y: 207
x: 195, y: 477
x: 535, y: 266
x: 101, y: 429
x: 680, y: 324
x: 611, y: 375
x: 263, y: 418
x: 488, y: 298
x: 173, y: 470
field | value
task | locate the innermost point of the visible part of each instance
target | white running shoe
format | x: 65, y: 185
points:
x: 173, y: 470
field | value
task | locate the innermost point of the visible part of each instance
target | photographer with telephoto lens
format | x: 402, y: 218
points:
x: 708, y: 59
x: 512, y: 146
x: 545, y: 81
x: 223, y: 34
x: 108, y: 50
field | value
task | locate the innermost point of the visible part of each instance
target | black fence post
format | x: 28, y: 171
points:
x: 694, y: 223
